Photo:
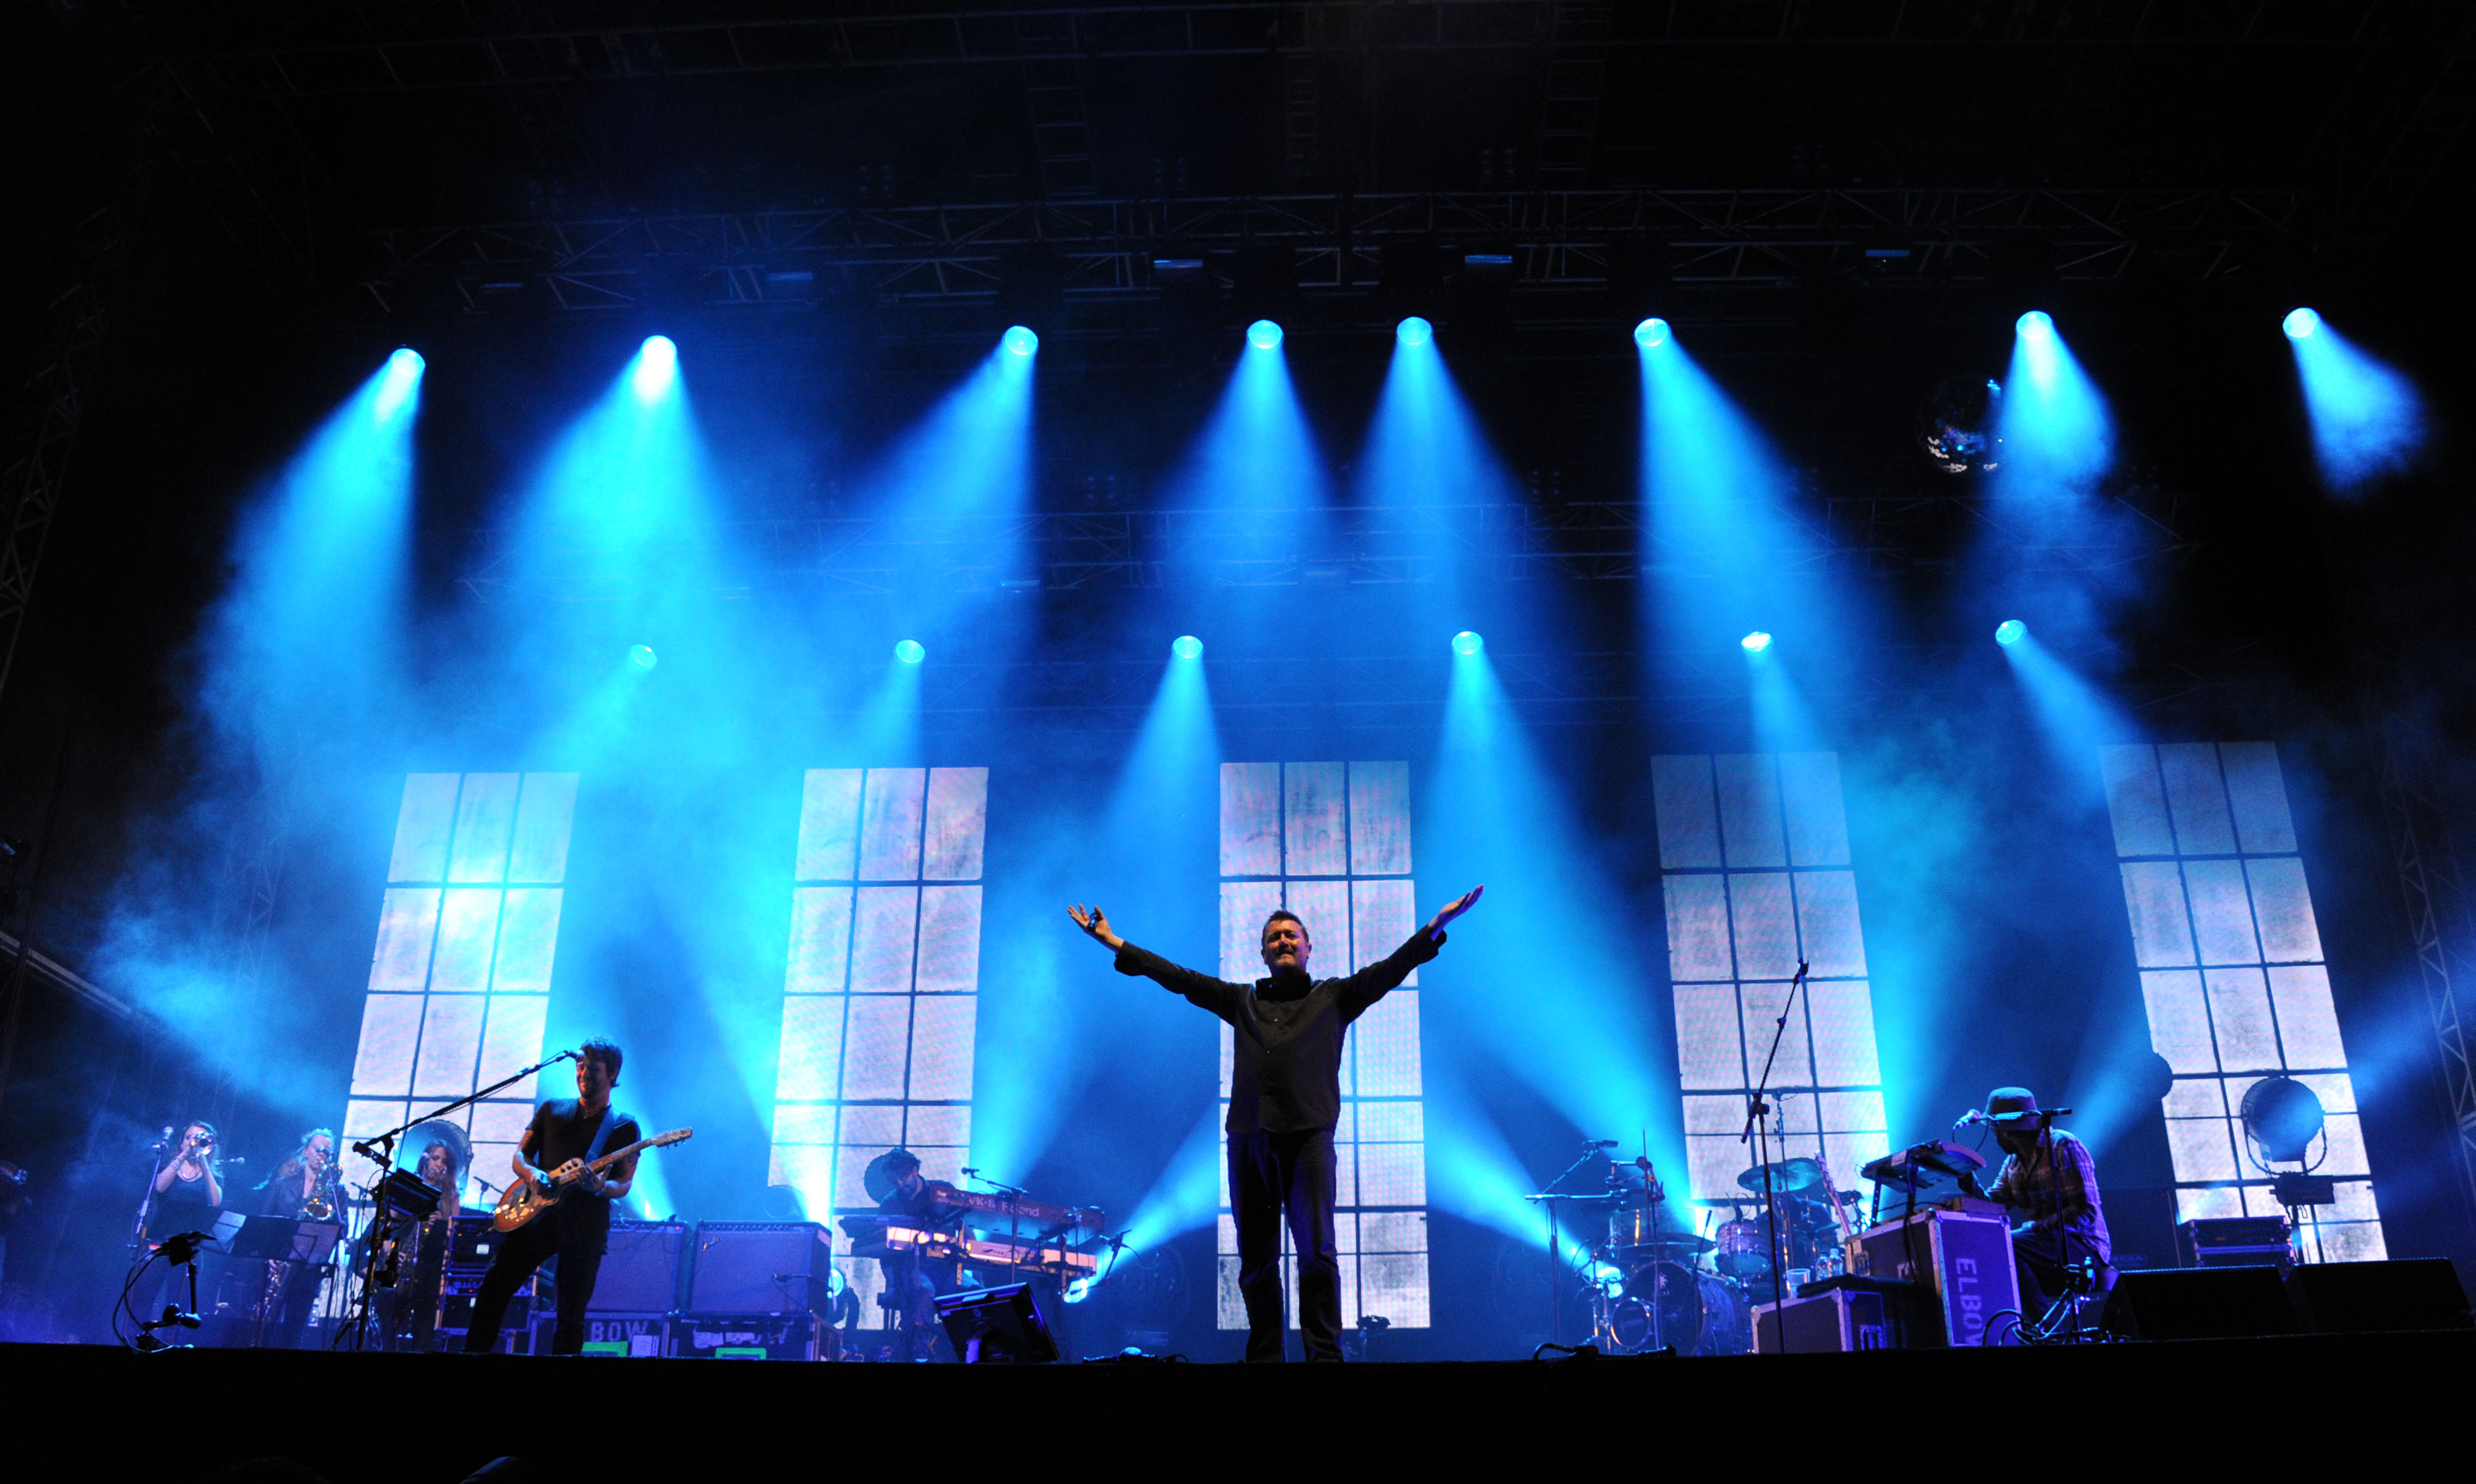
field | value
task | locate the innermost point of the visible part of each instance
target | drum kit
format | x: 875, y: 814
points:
x: 1657, y: 1282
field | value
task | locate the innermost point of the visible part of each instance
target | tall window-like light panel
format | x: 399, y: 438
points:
x: 2230, y: 970
x: 1330, y: 841
x: 881, y: 996
x: 1754, y: 851
x: 460, y: 983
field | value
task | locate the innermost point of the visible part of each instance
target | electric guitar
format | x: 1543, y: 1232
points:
x: 523, y: 1200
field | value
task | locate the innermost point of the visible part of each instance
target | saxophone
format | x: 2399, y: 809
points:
x: 320, y: 1205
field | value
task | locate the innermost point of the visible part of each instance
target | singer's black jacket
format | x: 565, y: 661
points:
x: 1289, y: 1032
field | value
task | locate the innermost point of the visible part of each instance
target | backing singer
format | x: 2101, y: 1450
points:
x: 1284, y: 1100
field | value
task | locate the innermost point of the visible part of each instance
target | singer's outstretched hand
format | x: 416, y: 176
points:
x: 1095, y: 923
x: 1452, y: 909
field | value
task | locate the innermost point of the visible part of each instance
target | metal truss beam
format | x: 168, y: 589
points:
x: 1559, y: 240
x: 373, y: 46
x: 1587, y: 541
x: 2437, y: 920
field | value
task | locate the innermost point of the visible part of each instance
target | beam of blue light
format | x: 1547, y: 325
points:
x: 1264, y: 336
x: 1782, y: 720
x: 1496, y: 816
x: 1428, y: 463
x: 2367, y: 419
x: 2058, y: 437
x: 2073, y: 717
x: 1188, y: 1193
x: 1066, y: 1018
x: 1414, y: 331
x: 656, y: 369
x: 1715, y: 525
x: 1021, y: 340
x: 398, y: 384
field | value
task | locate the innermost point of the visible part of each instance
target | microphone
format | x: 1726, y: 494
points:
x: 1972, y: 1115
x: 1598, y: 1144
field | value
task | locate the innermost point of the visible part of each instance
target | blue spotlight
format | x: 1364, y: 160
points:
x: 2367, y: 419
x: 658, y: 366
x: 1651, y: 332
x: 1186, y: 646
x: 641, y: 656
x: 1414, y: 331
x: 1755, y: 642
x: 910, y: 652
x: 1468, y: 642
x: 397, y: 383
x: 1264, y: 334
x: 1021, y: 340
x: 1080, y: 1289
x: 2011, y: 631
x: 2035, y: 322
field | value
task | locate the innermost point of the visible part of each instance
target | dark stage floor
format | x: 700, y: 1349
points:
x: 2367, y: 1400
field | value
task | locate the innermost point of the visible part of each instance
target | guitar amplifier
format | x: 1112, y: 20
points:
x: 473, y: 1244
x: 744, y: 1268
x: 2235, y: 1241
x: 641, y: 1269
x: 1962, y: 1260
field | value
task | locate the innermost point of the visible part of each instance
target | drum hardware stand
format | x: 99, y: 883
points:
x: 379, y: 1150
x: 1546, y: 1199
x: 1758, y: 1111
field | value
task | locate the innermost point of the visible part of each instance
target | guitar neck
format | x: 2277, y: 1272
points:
x: 616, y: 1155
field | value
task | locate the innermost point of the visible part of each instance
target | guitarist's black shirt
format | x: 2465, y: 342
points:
x: 561, y: 1133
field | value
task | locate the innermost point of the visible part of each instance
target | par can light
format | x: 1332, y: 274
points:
x: 2035, y: 322
x: 2011, y: 631
x: 1651, y: 332
x: 910, y: 652
x: 1186, y: 646
x: 1414, y: 331
x: 1021, y: 340
x: 1264, y: 334
x: 641, y: 656
x: 2300, y: 323
x: 1468, y: 642
x: 1755, y: 642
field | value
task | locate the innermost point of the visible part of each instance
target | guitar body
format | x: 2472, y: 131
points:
x: 523, y: 1201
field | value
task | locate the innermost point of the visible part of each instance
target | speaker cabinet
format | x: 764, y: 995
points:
x: 2200, y: 1303
x: 2353, y: 1298
x: 746, y: 1268
x: 641, y: 1269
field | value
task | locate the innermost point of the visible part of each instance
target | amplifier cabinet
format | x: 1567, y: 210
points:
x: 749, y: 1337
x: 641, y: 1269
x: 742, y: 1268
x: 1962, y: 1259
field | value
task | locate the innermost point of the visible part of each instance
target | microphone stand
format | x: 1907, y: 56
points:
x: 1758, y: 1110
x: 1547, y: 1199
x: 379, y: 1150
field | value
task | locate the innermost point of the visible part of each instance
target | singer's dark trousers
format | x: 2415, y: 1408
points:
x: 520, y: 1253
x: 1270, y: 1175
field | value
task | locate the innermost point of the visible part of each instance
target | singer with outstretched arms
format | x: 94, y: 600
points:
x: 577, y: 1228
x: 2050, y: 1179
x: 1284, y: 1101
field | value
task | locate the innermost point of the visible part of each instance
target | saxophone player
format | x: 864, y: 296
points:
x: 302, y: 1188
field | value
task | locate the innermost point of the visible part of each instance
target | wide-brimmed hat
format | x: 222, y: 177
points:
x: 2010, y: 1104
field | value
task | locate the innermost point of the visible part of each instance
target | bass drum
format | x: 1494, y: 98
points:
x: 1700, y: 1313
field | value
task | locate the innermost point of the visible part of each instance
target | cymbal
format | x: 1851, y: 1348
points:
x: 1669, y: 1242
x: 1786, y: 1174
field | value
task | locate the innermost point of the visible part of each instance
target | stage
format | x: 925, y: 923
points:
x: 423, y: 1419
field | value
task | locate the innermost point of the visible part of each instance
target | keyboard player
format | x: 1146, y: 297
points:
x: 914, y: 1277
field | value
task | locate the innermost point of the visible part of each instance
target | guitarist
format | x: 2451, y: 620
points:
x: 574, y: 1230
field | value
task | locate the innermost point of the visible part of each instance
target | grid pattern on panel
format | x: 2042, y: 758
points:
x: 459, y: 980
x: 1331, y: 842
x: 1755, y: 874
x: 880, y: 995
x: 2232, y: 973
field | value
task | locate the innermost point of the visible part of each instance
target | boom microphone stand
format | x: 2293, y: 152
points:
x: 379, y: 1148
x: 1758, y: 1111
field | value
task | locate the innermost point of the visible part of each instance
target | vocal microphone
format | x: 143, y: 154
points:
x: 1972, y: 1115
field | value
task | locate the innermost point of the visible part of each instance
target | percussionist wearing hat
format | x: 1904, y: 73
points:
x: 2049, y: 1175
